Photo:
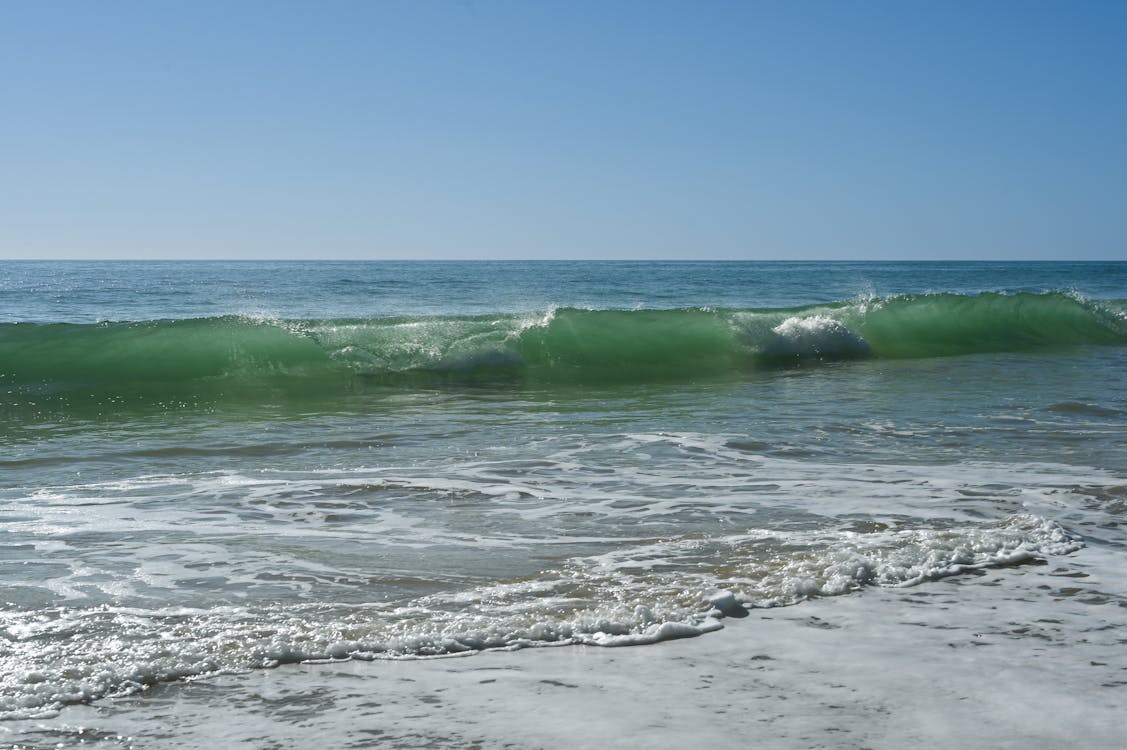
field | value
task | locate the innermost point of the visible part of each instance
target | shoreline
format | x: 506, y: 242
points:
x: 1023, y: 657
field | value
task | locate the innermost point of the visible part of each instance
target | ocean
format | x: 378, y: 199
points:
x: 216, y: 473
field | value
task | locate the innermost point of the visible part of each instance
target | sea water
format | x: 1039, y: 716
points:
x: 218, y: 468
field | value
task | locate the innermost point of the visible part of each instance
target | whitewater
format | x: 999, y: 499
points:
x: 266, y: 503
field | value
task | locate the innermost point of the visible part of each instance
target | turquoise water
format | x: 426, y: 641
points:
x: 218, y: 467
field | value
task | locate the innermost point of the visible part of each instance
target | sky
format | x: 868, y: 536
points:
x: 906, y: 129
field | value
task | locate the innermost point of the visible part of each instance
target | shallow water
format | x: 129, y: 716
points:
x: 214, y: 468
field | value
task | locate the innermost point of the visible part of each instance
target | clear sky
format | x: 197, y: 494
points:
x: 908, y: 129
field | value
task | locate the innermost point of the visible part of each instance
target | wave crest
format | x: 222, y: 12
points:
x: 560, y: 345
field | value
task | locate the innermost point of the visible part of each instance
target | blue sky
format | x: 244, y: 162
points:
x: 495, y: 129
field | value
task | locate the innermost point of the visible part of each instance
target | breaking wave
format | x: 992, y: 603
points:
x: 560, y: 345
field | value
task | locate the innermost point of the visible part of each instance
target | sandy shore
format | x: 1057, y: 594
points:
x: 1028, y: 657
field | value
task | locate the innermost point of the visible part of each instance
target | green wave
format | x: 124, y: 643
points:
x: 65, y: 356
x: 565, y: 345
x: 950, y: 324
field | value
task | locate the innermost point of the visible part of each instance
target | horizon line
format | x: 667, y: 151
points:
x: 558, y: 260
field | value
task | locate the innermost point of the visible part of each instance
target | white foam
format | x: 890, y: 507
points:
x: 636, y: 596
x: 573, y: 540
x: 814, y: 335
x: 1009, y: 664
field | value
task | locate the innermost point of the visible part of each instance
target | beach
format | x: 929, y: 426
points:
x: 947, y: 665
x: 272, y: 505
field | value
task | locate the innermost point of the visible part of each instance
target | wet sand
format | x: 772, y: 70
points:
x: 1028, y: 657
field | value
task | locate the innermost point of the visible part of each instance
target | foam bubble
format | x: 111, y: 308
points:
x: 814, y: 336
